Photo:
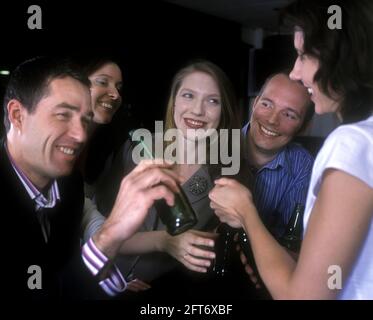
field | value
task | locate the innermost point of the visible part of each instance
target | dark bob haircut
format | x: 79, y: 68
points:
x: 345, y: 55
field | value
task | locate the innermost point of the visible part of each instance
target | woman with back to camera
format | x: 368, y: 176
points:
x: 201, y: 98
x: 336, y: 259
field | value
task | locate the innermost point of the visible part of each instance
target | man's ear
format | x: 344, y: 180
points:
x: 16, y: 113
x: 255, y: 101
x: 253, y: 105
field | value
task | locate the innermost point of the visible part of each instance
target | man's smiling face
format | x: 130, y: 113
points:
x: 278, y: 114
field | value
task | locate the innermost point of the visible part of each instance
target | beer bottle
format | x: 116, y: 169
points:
x: 261, y: 292
x: 181, y: 216
x: 223, y: 246
x: 292, y: 237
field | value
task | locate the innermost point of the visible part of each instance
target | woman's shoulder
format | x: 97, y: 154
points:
x: 357, y: 133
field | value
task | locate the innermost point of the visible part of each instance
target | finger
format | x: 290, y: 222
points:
x: 157, y: 193
x: 156, y: 176
x: 243, y: 258
x: 205, y: 234
x: 254, y: 280
x: 202, y: 241
x: 216, y: 195
x: 152, y: 163
x: 249, y: 270
x: 132, y: 287
x: 215, y: 206
x: 225, y: 182
x: 148, y: 165
x: 137, y: 285
x: 140, y: 285
x: 235, y: 237
x: 201, y: 253
x: 195, y: 264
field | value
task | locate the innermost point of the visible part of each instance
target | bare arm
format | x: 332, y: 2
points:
x: 338, y: 224
x: 184, y: 247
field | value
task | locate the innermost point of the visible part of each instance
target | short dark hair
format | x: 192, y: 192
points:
x: 345, y: 55
x: 310, y: 106
x: 29, y: 82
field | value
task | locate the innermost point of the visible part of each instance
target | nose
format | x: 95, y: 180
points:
x: 198, y: 107
x: 78, y: 131
x: 273, y: 119
x: 295, y: 73
x: 114, y: 93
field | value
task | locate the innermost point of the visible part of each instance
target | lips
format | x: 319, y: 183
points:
x: 194, y: 124
x: 268, y: 132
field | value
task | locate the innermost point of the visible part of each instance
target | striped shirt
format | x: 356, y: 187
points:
x: 39, y: 199
x: 281, y: 184
x: 93, y: 258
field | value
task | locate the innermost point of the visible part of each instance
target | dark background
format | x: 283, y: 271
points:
x: 151, y: 40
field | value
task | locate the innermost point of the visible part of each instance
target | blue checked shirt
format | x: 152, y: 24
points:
x: 280, y: 184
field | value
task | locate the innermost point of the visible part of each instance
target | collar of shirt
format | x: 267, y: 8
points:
x: 40, y: 200
x: 280, y: 161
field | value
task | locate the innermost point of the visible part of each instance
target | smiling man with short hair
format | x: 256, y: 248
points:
x: 282, y: 168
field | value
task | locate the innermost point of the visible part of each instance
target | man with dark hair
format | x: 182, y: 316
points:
x: 47, y: 110
x: 282, y: 168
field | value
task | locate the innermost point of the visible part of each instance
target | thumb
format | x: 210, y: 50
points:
x: 224, y: 182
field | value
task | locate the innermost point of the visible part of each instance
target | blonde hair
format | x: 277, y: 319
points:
x: 228, y: 118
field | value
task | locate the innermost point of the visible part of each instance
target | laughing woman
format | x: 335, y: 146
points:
x: 336, y: 258
x: 201, y: 98
x: 105, y: 76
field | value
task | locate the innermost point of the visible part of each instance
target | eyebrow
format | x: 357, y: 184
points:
x: 108, y: 76
x: 213, y: 94
x: 67, y: 106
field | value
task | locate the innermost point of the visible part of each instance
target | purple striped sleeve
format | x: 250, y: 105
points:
x: 95, y: 260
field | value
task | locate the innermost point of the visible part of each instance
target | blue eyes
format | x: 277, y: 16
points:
x: 187, y: 95
x: 288, y: 114
x: 190, y: 96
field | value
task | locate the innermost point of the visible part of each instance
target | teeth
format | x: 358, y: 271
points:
x: 106, y: 105
x: 195, y: 122
x: 268, y: 132
x: 66, y: 150
x: 310, y: 91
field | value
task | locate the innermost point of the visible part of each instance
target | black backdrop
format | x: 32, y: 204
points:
x: 152, y: 39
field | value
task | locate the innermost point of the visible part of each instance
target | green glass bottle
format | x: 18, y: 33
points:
x: 181, y: 216
x: 224, y: 244
x: 292, y: 237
